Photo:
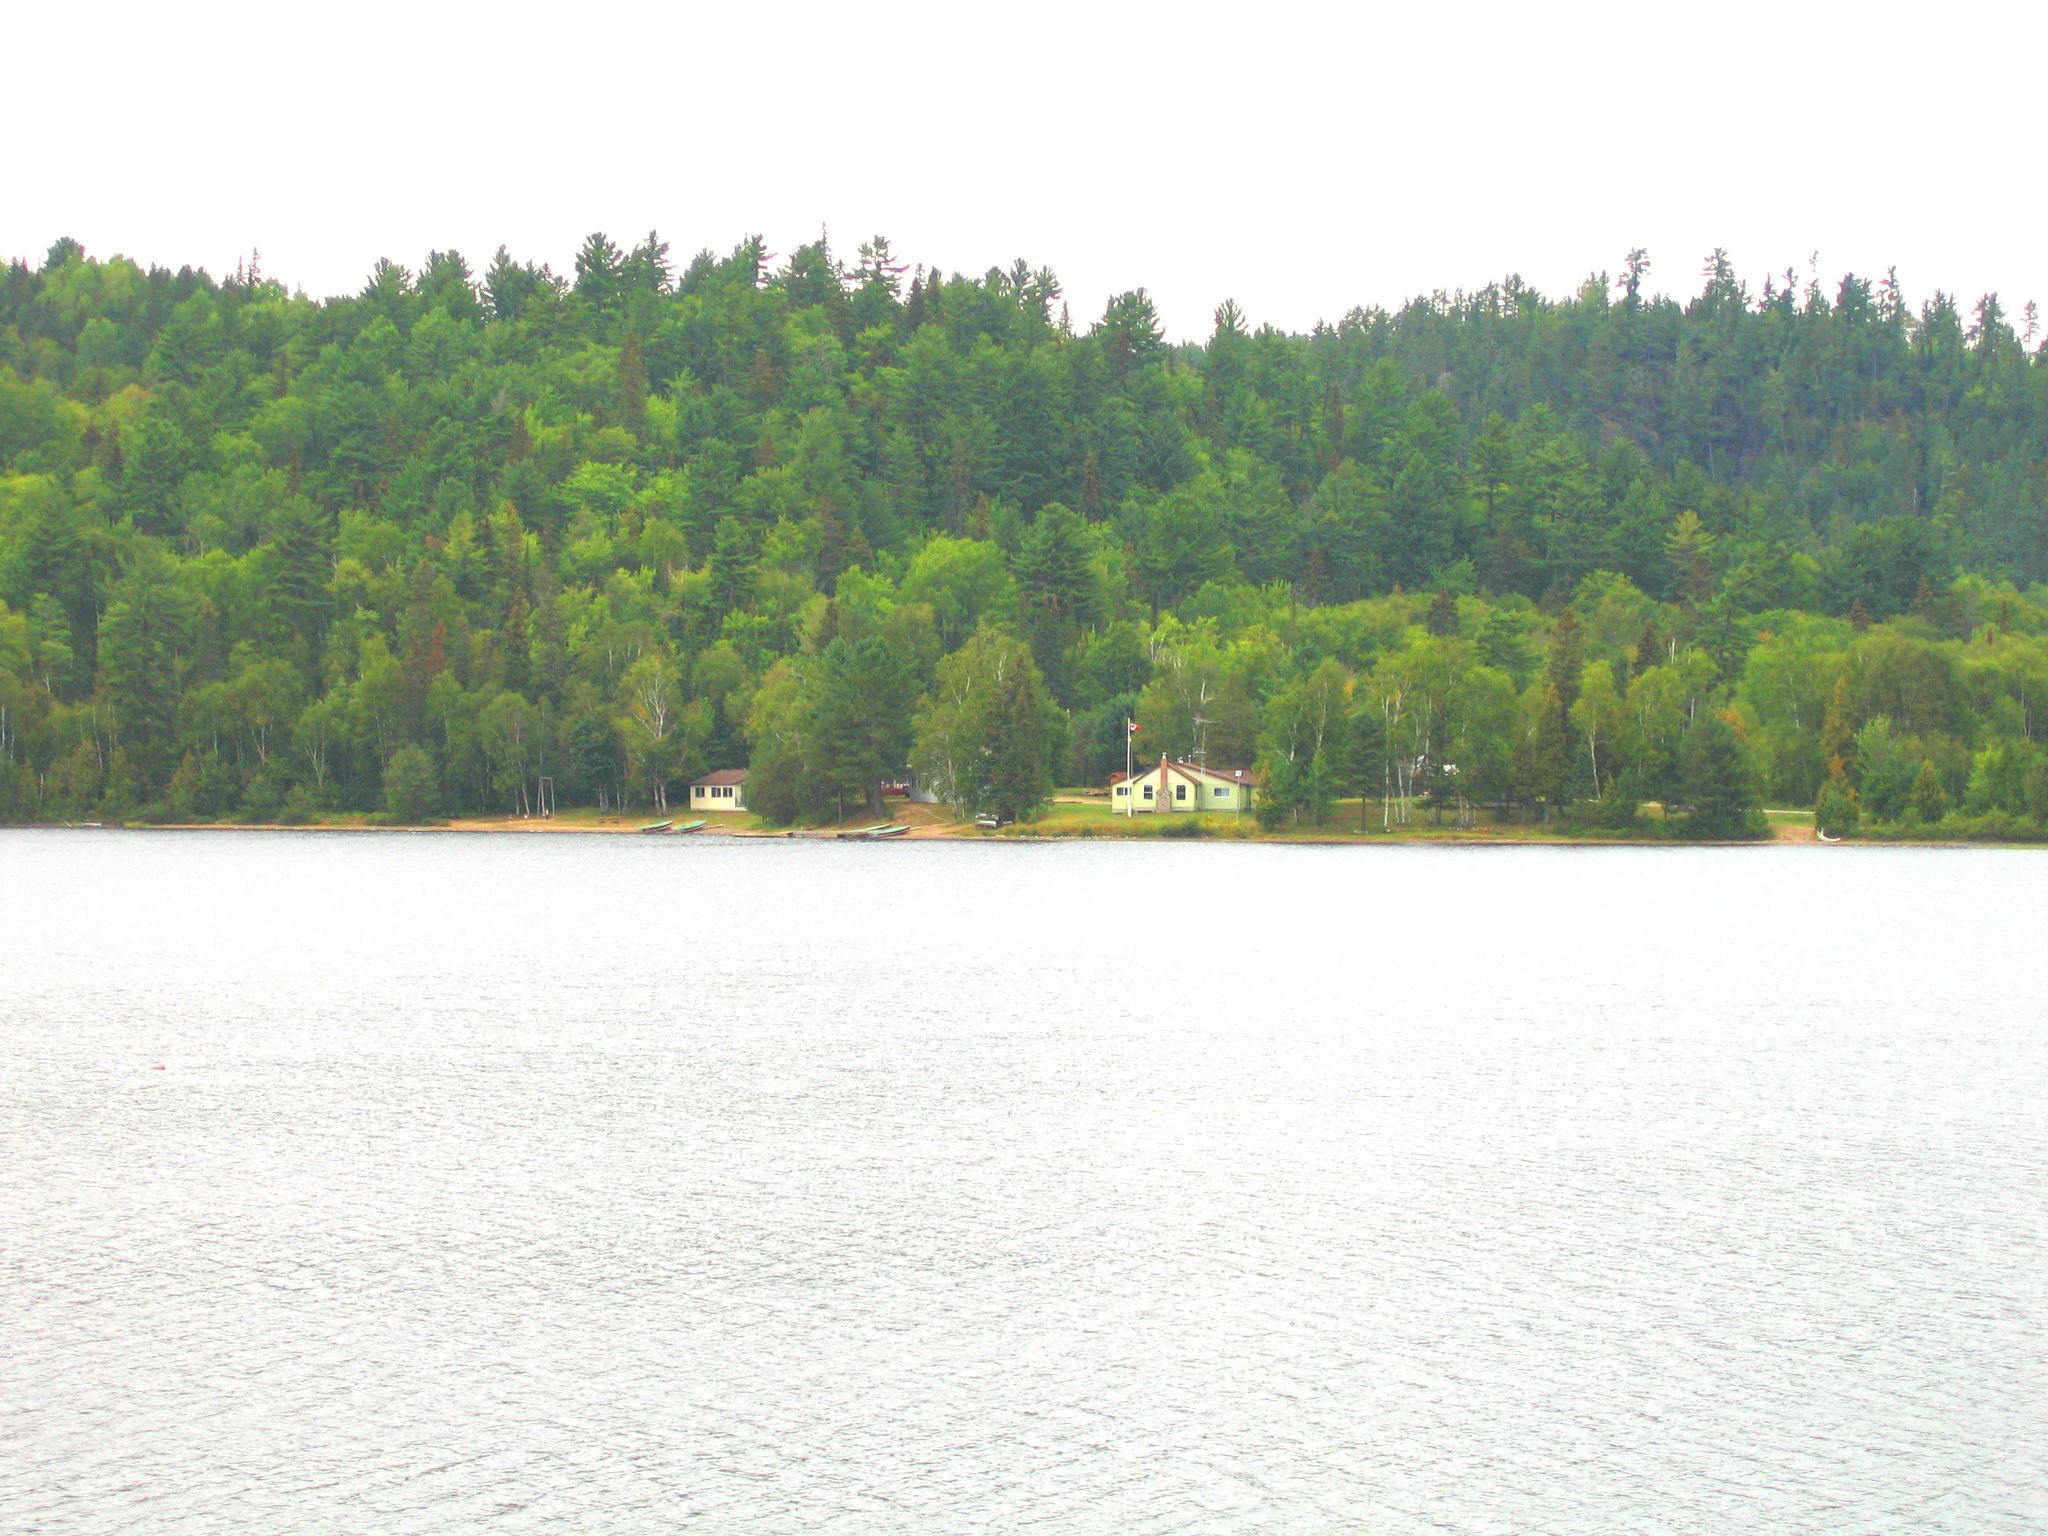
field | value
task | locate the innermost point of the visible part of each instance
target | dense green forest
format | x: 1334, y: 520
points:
x: 265, y: 557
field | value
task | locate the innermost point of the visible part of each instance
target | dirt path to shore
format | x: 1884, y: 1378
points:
x: 1792, y: 826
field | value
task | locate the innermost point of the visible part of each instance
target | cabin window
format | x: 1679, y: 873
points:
x: 1123, y: 789
x: 1148, y: 791
x: 1180, y: 791
x: 1222, y: 790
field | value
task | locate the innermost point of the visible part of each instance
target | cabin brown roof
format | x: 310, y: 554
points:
x: 725, y: 776
x: 1195, y: 773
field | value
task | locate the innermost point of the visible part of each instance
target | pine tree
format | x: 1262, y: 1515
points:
x: 302, y: 565
x: 1836, y: 811
x: 1929, y: 798
x: 860, y: 727
x: 1024, y: 729
x: 1280, y: 791
x: 1837, y: 729
x: 1504, y: 646
x: 1442, y: 618
x: 598, y: 277
x: 1567, y: 662
x: 1365, y: 760
x: 1546, y: 755
x: 411, y: 786
x: 1420, y: 507
x: 1649, y: 649
x: 631, y: 393
x: 1690, y: 547
x: 1716, y: 779
x: 735, y: 558
x: 140, y: 640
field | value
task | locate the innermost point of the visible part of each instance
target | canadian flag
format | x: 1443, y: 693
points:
x: 1133, y: 725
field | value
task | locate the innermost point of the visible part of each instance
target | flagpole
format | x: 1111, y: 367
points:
x: 1130, y: 790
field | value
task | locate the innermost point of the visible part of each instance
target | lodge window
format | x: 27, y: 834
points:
x: 1180, y: 791
x: 1148, y: 791
x: 1222, y: 790
x: 1123, y: 789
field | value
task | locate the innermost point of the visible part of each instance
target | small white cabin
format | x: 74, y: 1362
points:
x: 725, y: 790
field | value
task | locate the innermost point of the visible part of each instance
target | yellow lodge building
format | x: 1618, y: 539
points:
x: 1182, y: 787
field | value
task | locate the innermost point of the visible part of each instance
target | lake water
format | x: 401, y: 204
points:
x: 418, y: 1183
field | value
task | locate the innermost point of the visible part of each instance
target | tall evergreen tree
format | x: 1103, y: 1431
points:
x: 1719, y: 783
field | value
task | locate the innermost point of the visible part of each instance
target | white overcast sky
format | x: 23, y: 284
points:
x: 1299, y: 159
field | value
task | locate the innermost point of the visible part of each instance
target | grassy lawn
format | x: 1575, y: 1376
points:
x: 721, y: 821
x: 1076, y: 815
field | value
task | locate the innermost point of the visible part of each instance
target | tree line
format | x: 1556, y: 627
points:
x: 411, y: 551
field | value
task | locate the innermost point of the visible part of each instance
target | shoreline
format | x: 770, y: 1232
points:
x: 936, y: 830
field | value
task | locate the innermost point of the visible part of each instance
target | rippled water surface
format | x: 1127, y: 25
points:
x: 419, y: 1183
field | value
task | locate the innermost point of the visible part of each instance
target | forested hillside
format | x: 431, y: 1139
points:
x: 264, y: 557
